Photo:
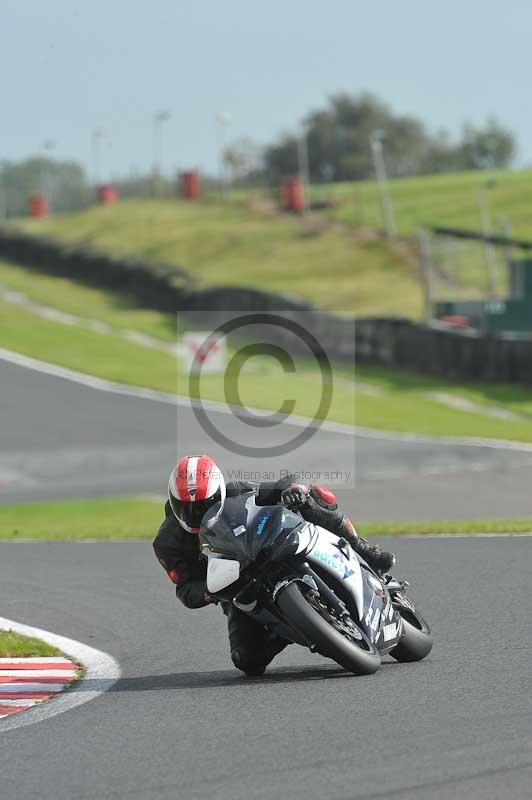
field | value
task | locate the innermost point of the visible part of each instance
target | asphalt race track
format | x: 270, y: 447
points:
x: 181, y: 723
x: 60, y: 439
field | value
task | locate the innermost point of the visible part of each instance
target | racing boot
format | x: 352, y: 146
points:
x: 379, y: 560
x: 252, y: 647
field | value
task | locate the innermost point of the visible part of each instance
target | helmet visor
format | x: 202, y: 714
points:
x: 191, y: 512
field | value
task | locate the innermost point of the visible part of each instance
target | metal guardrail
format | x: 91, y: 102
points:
x: 494, y: 239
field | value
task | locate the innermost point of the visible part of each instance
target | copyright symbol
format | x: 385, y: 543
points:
x: 282, y: 330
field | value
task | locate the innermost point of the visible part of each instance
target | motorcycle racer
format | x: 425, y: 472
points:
x: 195, y: 485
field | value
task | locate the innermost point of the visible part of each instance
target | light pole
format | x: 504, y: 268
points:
x: 223, y: 120
x: 3, y: 192
x: 388, y: 217
x: 46, y: 190
x: 485, y: 216
x: 302, y: 162
x: 97, y: 136
x: 425, y: 272
x: 157, y: 146
x: 504, y: 224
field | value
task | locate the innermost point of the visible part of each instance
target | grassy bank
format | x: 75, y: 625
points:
x: 334, y: 257
x: 137, y: 518
x: 448, y: 200
x: 406, y: 402
x: 13, y: 645
x: 112, y: 358
x: 112, y: 308
x: 234, y: 244
x: 107, y: 356
x: 384, y: 399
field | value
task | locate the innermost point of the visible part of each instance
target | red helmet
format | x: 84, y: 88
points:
x: 195, y: 484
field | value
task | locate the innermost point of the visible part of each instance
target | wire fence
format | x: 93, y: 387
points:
x: 457, y: 269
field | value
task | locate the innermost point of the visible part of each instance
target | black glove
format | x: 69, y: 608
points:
x: 296, y: 496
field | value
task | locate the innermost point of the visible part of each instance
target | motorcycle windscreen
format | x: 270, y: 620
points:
x: 241, y: 529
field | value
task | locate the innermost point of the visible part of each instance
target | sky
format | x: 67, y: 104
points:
x: 71, y: 66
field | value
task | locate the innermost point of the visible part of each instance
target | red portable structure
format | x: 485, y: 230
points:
x: 190, y: 185
x: 37, y: 205
x: 107, y: 194
x: 293, y: 194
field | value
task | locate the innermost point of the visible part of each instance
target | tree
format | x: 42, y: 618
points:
x: 244, y: 160
x: 63, y: 182
x: 338, y: 140
x: 338, y: 143
x: 491, y: 147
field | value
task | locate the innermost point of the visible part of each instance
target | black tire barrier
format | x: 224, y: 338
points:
x: 453, y: 354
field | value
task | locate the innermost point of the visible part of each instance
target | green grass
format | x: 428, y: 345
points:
x: 404, y: 406
x: 232, y: 244
x: 454, y: 526
x: 447, y: 200
x: 13, y: 645
x: 113, y: 308
x: 344, y: 267
x: 334, y: 258
x: 510, y: 397
x: 107, y: 356
x: 121, y: 518
x: 401, y: 404
x: 112, y: 358
x: 137, y: 518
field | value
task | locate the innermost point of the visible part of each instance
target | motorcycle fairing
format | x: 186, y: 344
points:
x: 240, y: 531
x: 221, y: 572
x: 243, y: 529
x: 377, y: 617
x: 325, y: 553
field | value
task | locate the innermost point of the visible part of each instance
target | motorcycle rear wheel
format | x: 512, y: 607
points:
x: 359, y: 656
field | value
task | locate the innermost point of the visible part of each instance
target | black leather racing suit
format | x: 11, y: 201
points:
x: 179, y: 554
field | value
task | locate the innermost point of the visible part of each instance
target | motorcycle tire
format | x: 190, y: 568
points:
x: 416, y: 639
x: 360, y: 657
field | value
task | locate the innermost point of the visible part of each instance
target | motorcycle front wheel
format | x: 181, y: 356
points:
x: 335, y: 638
x: 416, y: 639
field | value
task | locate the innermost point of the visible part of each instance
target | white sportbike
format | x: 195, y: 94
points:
x: 306, y: 585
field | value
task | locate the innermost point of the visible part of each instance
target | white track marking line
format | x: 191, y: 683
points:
x: 7, y: 701
x: 167, y: 398
x: 35, y: 660
x: 457, y: 535
x: 94, y: 325
x: 396, y: 536
x: 101, y: 672
x: 464, y: 441
x: 29, y: 688
x: 67, y: 674
x: 464, y: 404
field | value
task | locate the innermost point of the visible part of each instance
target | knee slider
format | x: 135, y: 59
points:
x: 247, y: 660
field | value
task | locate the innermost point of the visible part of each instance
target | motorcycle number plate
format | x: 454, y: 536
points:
x: 221, y: 572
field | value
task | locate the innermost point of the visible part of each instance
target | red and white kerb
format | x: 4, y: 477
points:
x: 27, y: 681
